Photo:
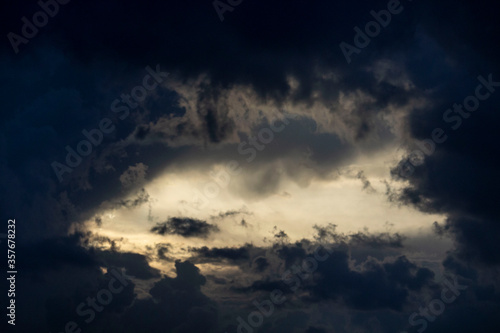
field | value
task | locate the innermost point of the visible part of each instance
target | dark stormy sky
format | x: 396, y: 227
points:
x: 251, y: 166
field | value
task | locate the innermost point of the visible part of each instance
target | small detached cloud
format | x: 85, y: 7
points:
x: 185, y: 227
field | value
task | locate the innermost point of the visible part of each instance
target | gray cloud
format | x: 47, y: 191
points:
x: 185, y: 227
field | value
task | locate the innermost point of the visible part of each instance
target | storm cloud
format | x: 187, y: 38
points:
x: 387, y: 158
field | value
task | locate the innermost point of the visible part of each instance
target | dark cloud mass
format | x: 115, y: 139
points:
x: 414, y: 106
x: 185, y: 227
x: 222, y: 253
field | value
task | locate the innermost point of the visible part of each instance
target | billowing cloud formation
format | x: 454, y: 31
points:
x: 178, y: 306
x: 417, y: 79
x: 135, y: 264
x: 389, y: 284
